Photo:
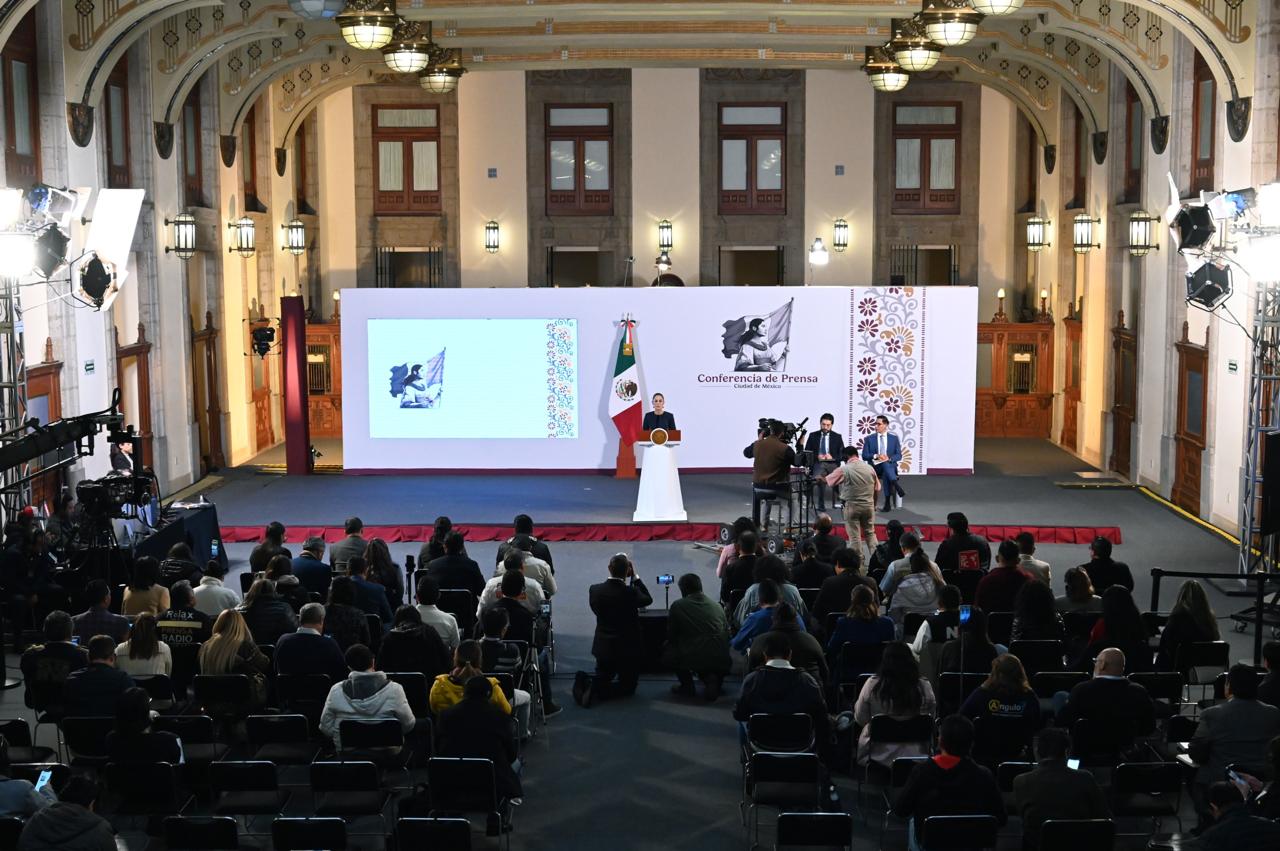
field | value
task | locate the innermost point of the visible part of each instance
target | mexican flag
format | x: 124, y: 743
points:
x: 624, y: 402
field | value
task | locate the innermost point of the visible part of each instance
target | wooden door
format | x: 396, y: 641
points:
x: 324, y: 379
x: 1189, y: 439
x: 44, y: 402
x: 1071, y: 385
x: 205, y: 397
x: 137, y: 354
x: 1124, y: 396
x: 1015, y: 379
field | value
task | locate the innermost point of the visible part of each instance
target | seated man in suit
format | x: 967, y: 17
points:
x: 309, y: 650
x: 883, y: 451
x: 1236, y: 731
x: 1053, y: 791
x: 659, y: 417
x: 827, y: 447
x: 1116, y: 706
x: 93, y: 690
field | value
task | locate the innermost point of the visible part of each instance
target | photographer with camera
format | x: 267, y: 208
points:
x: 618, y: 644
x: 772, y: 459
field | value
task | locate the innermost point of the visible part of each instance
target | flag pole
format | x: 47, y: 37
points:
x: 787, y: 350
x: 625, y: 463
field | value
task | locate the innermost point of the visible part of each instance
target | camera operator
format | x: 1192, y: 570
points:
x: 771, y: 469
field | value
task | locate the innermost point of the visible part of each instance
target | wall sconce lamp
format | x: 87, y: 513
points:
x: 665, y: 242
x: 818, y: 255
x: 840, y: 235
x: 1044, y: 315
x: 295, y: 237
x: 242, y: 237
x: 1000, y: 316
x: 1038, y: 233
x: 1142, y: 234
x: 184, y: 235
x: 1082, y: 233
x: 491, y: 237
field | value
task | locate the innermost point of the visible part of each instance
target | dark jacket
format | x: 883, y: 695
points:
x: 45, y: 668
x: 538, y: 550
x: 1269, y: 688
x: 1238, y: 830
x: 835, y: 593
x: 1113, y: 704
x: 183, y: 626
x: 772, y: 460
x: 1235, y: 731
x: 977, y: 657
x: 697, y: 636
x: 269, y: 618
x: 312, y: 573
x: 963, y: 549
x: 999, y: 588
x: 263, y: 553
x: 965, y: 789
x: 290, y: 589
x: 776, y: 690
x: 826, y: 545
x: 811, y: 573
x: 307, y: 653
x: 1053, y: 791
x: 99, y: 621
x: 371, y: 598
x: 806, y: 652
x: 739, y: 575
x: 346, y: 625
x: 413, y: 648
x: 144, y: 748
x: 93, y: 691
x: 617, y: 606
x: 175, y: 570
x: 342, y: 551
x: 1015, y: 720
x: 1180, y: 629
x: 1105, y: 572
x: 457, y: 571
x: 479, y: 730
x: 66, y: 827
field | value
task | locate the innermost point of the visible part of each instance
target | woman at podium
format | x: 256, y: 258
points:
x: 659, y: 417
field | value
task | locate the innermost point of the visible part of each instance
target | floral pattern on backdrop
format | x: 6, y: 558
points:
x: 562, y: 378
x: 886, y: 366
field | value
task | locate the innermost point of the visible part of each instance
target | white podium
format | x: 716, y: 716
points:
x: 659, y: 498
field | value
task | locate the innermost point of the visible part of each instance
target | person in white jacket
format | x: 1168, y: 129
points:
x: 918, y: 591
x: 365, y: 695
x: 212, y: 597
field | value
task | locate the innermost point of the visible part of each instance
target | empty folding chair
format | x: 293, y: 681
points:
x: 814, y: 830
x: 416, y: 690
x: 954, y: 688
x: 1147, y: 789
x: 784, y: 781
x: 886, y: 730
x: 158, y: 687
x: 309, y: 834
x: 461, y: 785
x: 348, y: 790
x: 18, y: 735
x: 199, y: 742
x: 282, y: 739
x: 224, y: 697
x: 1005, y: 774
x: 304, y: 694
x: 10, y: 831
x: 1037, y: 656
x: 898, y: 774
x: 380, y: 742
x: 427, y: 833
x: 460, y: 603
x: 59, y: 773
x: 1076, y: 834
x: 961, y: 833
x: 1200, y: 662
x: 375, y: 632
x: 86, y: 739
x: 206, y: 833
x: 247, y: 788
x: 1000, y: 627
x: 145, y: 789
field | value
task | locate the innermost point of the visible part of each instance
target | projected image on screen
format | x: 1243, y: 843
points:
x: 473, y: 378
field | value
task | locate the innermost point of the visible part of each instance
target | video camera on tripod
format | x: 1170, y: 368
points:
x: 791, y: 433
x: 115, y: 496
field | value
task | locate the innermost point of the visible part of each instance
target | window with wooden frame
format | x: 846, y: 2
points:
x: 115, y: 99
x: 300, y: 172
x: 249, y: 159
x: 1080, y: 159
x: 192, y: 166
x: 1204, y: 107
x: 21, y: 105
x: 406, y: 160
x: 926, y: 159
x: 579, y: 159
x: 753, y: 148
x: 1131, y: 192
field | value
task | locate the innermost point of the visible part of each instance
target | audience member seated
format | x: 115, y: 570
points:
x: 523, y: 525
x: 779, y: 689
x: 1238, y: 730
x: 26, y: 573
x: 179, y: 565
x: 343, y: 622
x: 917, y: 592
x: 132, y: 741
x: 962, y: 550
x: 212, y: 597
x: 365, y: 695
x: 435, y: 547
x: 272, y: 545
x: 268, y: 615
x: 943, y: 624
x: 972, y: 651
x: 144, y: 593
x: 411, y: 646
x: 890, y: 550
x: 1035, y: 616
x: 824, y: 539
x: 807, y: 653
x: 94, y: 690
x: 768, y: 595
x: 730, y: 550
x: 697, y: 640
x: 444, y: 623
x: 1079, y: 596
x: 70, y: 824
x: 370, y: 597
x: 896, y: 690
x: 1052, y: 790
x: 787, y: 592
x: 383, y: 570
x: 1269, y: 688
x: 808, y: 571
x: 862, y: 624
x: 1006, y: 696
x: 513, y: 599
x: 1029, y: 564
x: 19, y: 797
x: 1190, y: 620
x: 1109, y: 700
x: 468, y: 661
x: 312, y: 573
x: 1234, y: 828
x: 453, y: 569
x: 499, y: 656
x: 352, y: 544
x: 230, y: 650
x: 1120, y: 626
x: 950, y: 783
x: 836, y: 592
x: 474, y: 728
x: 1263, y: 797
x: 309, y: 650
x: 1103, y: 570
x: 182, y: 622
x: 898, y: 569
x: 534, y: 567
x: 618, y: 644
x: 998, y: 590
x: 533, y: 597
x: 45, y: 667
x: 739, y: 573
x: 287, y: 587
x: 144, y: 654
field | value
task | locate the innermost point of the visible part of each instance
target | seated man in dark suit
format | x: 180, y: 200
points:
x: 454, y: 569
x: 1053, y: 791
x: 883, y: 451
x: 827, y: 447
x: 836, y: 591
x: 1234, y: 828
x: 617, y: 645
x: 93, y: 690
x: 45, y: 667
x: 370, y: 596
x: 659, y: 417
x: 776, y: 687
x: 310, y: 569
x: 1114, y: 705
x: 309, y: 650
x: 1103, y: 570
x: 523, y: 525
x: 352, y: 545
x: 98, y: 619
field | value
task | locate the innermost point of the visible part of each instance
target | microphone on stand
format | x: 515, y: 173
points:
x: 631, y: 263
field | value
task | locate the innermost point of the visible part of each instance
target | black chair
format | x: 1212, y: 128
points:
x: 1080, y: 624
x: 898, y: 774
x: 961, y: 833
x: 807, y: 596
x: 1200, y: 662
x: 186, y: 665
x: 1005, y: 774
x: 966, y: 580
x: 506, y: 682
x: 459, y: 785
x: 1038, y: 656
x: 1147, y: 789
x: 145, y: 789
x: 1098, y: 744
x: 224, y: 697
x: 416, y: 690
x: 853, y: 660
x: 347, y: 789
x: 1166, y: 686
x: 998, y: 739
x: 380, y: 742
x: 86, y: 739
x: 1000, y: 627
x: 158, y: 687
x: 779, y: 733
x: 282, y: 739
x: 451, y: 833
x: 309, y: 834
x: 1074, y: 834
x: 10, y: 832
x: 247, y: 788
x: 18, y: 735
x: 954, y: 689
x: 206, y: 833
x: 785, y: 781
x: 199, y: 740
x: 887, y: 730
x: 375, y: 632
x: 814, y: 830
x: 460, y: 603
x: 246, y: 582
x: 304, y: 694
x: 911, y: 625
x: 46, y: 699
x: 1153, y: 622
x: 60, y: 772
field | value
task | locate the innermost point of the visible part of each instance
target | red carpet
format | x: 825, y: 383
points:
x: 650, y: 532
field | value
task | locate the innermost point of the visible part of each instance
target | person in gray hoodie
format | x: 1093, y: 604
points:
x: 365, y: 695
x: 917, y: 591
x: 70, y: 824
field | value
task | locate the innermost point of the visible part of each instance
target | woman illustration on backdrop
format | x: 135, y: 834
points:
x: 754, y: 353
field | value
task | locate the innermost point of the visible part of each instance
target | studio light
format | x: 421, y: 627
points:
x: 295, y: 237
x: 913, y: 49
x: 997, y: 7
x: 441, y: 79
x: 52, y: 202
x: 263, y: 336
x: 96, y: 279
x: 1193, y: 228
x: 818, y: 255
x: 368, y: 24
x: 885, y: 74
x: 50, y: 250
x: 1082, y: 233
x: 10, y: 207
x: 665, y: 236
x: 1037, y: 233
x: 663, y: 261
x: 950, y: 23
x: 242, y: 236
x: 316, y: 10
x: 184, y: 235
x: 1268, y: 203
x: 1142, y: 233
x: 491, y: 237
x: 410, y: 49
x: 17, y: 254
x: 840, y: 235
x: 1209, y: 285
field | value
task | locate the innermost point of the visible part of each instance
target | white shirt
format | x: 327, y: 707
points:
x: 159, y: 664
x: 537, y: 570
x: 532, y: 590
x: 213, y: 598
x: 445, y: 624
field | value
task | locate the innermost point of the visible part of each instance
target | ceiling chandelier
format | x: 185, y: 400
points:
x: 885, y: 74
x: 411, y: 49
x: 997, y: 7
x: 913, y: 49
x: 950, y: 23
x: 368, y: 24
x: 441, y: 77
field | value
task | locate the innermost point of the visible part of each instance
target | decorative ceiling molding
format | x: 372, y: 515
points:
x: 1034, y: 109
x: 298, y: 91
x: 1036, y: 70
x: 238, y: 89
